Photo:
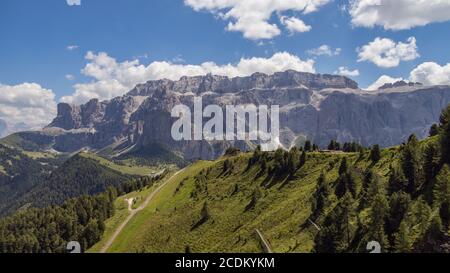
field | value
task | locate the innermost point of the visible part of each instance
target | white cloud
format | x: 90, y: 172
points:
x: 398, y: 14
x: 70, y: 77
x: 251, y: 17
x: 386, y: 53
x: 344, y: 71
x: 431, y: 73
x: 324, y: 50
x: 111, y: 78
x: 294, y: 25
x: 72, y: 47
x: 73, y: 2
x: 428, y: 73
x: 382, y: 81
x: 27, y: 104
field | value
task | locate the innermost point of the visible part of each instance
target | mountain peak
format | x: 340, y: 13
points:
x: 400, y: 84
x: 224, y: 84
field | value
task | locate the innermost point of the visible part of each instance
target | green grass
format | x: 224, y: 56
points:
x: 123, y: 168
x: 281, y: 214
x: 39, y: 155
x: 121, y: 213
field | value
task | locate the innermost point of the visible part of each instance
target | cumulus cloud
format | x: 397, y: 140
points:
x: 386, y: 53
x: 382, y: 81
x: 431, y: 73
x: 344, y: 71
x: 111, y: 78
x: 70, y: 77
x: 252, y: 17
x: 73, y: 2
x: 398, y: 14
x: 428, y: 73
x: 324, y: 50
x: 294, y: 25
x: 28, y: 105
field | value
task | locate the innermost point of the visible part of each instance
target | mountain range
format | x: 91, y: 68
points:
x: 312, y: 106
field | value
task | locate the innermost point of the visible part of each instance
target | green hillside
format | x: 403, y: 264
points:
x: 77, y: 176
x: 217, y: 206
x: 20, y: 172
x: 282, y: 201
x: 300, y: 201
x: 239, y: 200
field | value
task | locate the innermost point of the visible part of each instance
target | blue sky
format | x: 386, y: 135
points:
x: 36, y: 36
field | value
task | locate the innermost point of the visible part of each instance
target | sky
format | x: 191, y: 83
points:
x: 71, y: 51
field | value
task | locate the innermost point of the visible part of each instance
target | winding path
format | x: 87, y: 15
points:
x: 134, y: 211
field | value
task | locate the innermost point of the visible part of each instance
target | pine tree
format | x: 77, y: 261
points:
x: 431, y: 162
x: 399, y: 204
x: 412, y: 165
x: 343, y: 168
x: 349, y: 220
x: 375, y: 153
x: 434, y: 130
x: 423, y: 215
x: 379, y: 212
x: 302, y: 161
x: 403, y: 239
x: 321, y: 195
x: 334, y: 146
x: 397, y: 180
x: 441, y: 194
x: 315, y: 147
x: 339, y: 228
x: 445, y: 135
x: 434, y: 235
x: 308, y: 146
x: 293, y: 160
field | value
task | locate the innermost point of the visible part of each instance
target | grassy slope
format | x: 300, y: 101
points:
x: 121, y: 212
x: 281, y: 214
x: 122, y: 168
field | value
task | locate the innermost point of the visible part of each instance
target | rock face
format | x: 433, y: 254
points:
x: 3, y: 128
x: 313, y: 106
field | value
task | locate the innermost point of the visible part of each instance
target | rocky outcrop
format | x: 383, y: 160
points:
x: 400, y: 84
x: 313, y: 106
x: 3, y: 128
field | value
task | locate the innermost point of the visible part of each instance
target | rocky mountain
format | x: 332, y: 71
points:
x: 3, y: 128
x: 312, y: 106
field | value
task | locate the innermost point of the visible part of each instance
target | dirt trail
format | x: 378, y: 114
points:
x: 134, y: 211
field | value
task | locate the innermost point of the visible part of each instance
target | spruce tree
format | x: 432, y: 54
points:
x: 431, y: 162
x: 441, y: 194
x: 397, y: 180
x: 412, y: 165
x: 399, y: 204
x: 445, y: 135
x: 308, y: 146
x: 379, y: 212
x: 293, y: 160
x: 403, y: 239
x: 434, y: 130
x: 321, y: 195
x: 302, y: 161
x: 343, y: 168
x: 375, y: 153
x: 423, y: 214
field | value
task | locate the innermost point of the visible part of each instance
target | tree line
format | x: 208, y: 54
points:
x: 409, y: 212
x: 49, y: 229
